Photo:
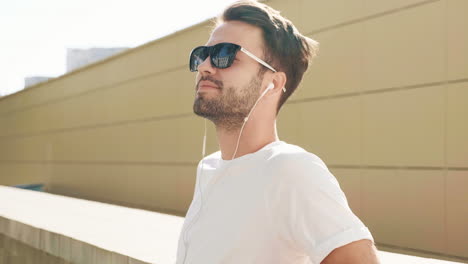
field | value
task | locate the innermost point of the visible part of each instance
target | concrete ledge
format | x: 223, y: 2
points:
x: 38, y: 227
x: 83, y: 231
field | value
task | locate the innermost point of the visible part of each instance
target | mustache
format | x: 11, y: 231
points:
x: 211, y: 79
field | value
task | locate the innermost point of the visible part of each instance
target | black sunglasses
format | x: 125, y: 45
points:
x: 221, y: 56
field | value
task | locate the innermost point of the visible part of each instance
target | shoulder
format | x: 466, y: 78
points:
x: 289, y: 152
x: 294, y: 158
x: 211, y: 159
x: 293, y: 165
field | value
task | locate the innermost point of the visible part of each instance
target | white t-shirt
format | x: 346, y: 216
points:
x: 280, y: 204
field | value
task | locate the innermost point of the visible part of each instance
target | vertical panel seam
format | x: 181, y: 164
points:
x: 445, y: 90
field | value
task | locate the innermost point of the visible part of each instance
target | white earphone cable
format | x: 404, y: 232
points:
x: 247, y: 118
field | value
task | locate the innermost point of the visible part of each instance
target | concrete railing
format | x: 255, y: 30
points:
x: 73, y: 230
x: 38, y: 227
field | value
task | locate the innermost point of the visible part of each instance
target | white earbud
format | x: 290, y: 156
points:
x: 270, y: 86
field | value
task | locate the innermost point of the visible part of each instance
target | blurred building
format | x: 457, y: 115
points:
x: 77, y: 58
x: 32, y: 80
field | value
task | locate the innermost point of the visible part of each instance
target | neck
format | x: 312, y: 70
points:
x: 255, y: 136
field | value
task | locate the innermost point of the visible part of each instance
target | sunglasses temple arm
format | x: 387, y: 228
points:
x: 260, y: 61
x: 257, y: 59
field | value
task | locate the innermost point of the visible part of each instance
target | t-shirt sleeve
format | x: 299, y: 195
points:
x: 312, y: 211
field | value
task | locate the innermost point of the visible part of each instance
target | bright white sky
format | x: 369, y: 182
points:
x: 34, y: 34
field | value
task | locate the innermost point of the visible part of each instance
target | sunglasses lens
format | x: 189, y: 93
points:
x: 224, y: 54
x: 197, y: 57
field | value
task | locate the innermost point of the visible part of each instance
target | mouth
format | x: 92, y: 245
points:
x: 206, y: 86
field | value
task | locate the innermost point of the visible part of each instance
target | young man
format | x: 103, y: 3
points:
x: 260, y: 200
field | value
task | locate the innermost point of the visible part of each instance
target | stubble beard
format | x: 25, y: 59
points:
x: 228, y: 110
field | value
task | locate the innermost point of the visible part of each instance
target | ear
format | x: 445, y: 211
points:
x: 279, y: 80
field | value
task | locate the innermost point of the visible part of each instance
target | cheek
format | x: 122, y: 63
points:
x: 235, y: 78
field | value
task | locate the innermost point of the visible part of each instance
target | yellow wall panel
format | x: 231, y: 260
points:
x: 9, y: 125
x: 289, y: 124
x: 154, y: 96
x: 457, y: 212
x: 424, y: 193
x: 382, y: 205
x: 185, y: 188
x: 350, y: 183
x: 190, y: 140
x: 405, y: 207
x: 287, y: 9
x: 32, y: 148
x: 338, y: 67
x: 316, y: 15
x: 13, y: 173
x: 457, y: 39
x: 457, y: 125
x: 149, y: 97
x: 331, y: 129
x: 124, y: 142
x: 154, y: 187
x: 166, y: 140
x: 404, y: 48
x: 373, y: 7
x: 81, y: 180
x: 404, y: 127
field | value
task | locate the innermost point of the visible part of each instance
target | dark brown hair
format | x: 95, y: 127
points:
x: 285, y: 49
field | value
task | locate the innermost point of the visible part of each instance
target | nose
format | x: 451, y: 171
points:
x: 205, y: 67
